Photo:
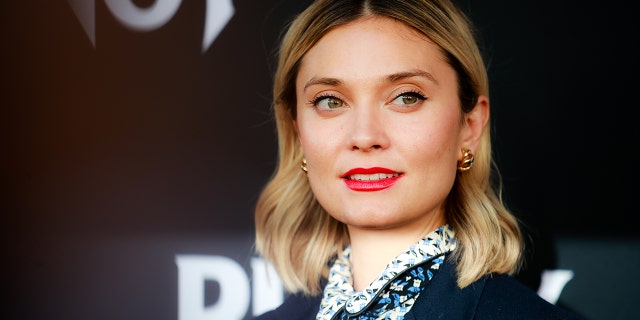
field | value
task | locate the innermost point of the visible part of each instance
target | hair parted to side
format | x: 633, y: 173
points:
x: 296, y: 235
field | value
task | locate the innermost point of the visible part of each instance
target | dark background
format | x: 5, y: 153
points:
x: 117, y: 157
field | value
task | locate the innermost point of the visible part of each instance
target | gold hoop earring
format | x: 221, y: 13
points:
x: 467, y: 160
x: 303, y: 166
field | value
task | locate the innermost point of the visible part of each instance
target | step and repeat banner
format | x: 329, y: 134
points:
x: 137, y: 135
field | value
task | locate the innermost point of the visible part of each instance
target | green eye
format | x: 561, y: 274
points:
x: 328, y: 103
x: 409, y: 98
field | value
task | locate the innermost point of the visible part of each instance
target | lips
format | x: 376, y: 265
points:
x: 370, y: 179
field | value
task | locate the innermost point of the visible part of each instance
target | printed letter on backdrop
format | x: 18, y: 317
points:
x: 268, y: 292
x: 194, y: 270
x: 552, y: 283
x: 219, y: 12
x: 143, y: 19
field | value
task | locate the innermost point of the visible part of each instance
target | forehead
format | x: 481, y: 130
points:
x: 371, y: 46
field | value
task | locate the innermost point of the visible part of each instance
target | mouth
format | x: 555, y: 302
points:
x: 370, y: 179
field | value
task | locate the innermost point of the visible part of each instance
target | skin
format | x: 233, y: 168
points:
x: 375, y: 93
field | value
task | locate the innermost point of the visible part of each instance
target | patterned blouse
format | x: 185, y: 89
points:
x: 394, y: 292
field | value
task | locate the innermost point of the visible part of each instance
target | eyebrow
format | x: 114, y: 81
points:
x: 391, y: 78
x: 325, y: 81
x: 409, y: 74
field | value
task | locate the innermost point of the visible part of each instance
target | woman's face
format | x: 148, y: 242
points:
x: 380, y: 125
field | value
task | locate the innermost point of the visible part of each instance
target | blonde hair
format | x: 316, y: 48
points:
x: 296, y: 235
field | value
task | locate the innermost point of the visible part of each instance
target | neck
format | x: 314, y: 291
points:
x: 373, y: 249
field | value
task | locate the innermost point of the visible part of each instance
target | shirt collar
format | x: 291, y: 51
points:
x: 339, y: 291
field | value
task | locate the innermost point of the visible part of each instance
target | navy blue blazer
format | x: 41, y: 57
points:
x: 493, y: 297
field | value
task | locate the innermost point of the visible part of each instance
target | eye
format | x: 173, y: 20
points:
x: 410, y: 98
x: 327, y: 102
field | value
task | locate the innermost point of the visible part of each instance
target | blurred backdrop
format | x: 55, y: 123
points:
x: 137, y: 134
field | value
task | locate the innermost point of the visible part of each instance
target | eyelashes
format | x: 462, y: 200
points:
x: 329, y: 101
x: 409, y: 98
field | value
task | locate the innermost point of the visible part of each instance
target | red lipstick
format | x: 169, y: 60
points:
x: 370, y: 179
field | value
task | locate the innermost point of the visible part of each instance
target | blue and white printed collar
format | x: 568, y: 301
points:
x: 339, y: 291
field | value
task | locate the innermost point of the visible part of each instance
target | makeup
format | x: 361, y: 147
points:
x: 370, y: 179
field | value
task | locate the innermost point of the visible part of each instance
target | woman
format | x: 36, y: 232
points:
x: 382, y: 205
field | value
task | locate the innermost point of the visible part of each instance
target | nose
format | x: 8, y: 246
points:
x: 368, y: 131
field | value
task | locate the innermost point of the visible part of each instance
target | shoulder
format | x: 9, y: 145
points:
x: 496, y: 296
x: 503, y: 297
x: 295, y: 307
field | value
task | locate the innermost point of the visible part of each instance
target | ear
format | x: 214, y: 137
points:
x: 474, y: 123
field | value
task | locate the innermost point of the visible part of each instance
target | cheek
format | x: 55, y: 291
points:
x: 318, y: 137
x: 319, y: 156
x: 435, y: 133
x: 317, y: 145
x: 433, y: 142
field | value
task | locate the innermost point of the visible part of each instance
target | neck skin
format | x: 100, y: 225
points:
x: 373, y: 249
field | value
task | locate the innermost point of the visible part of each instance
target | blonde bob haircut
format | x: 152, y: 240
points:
x: 294, y: 232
